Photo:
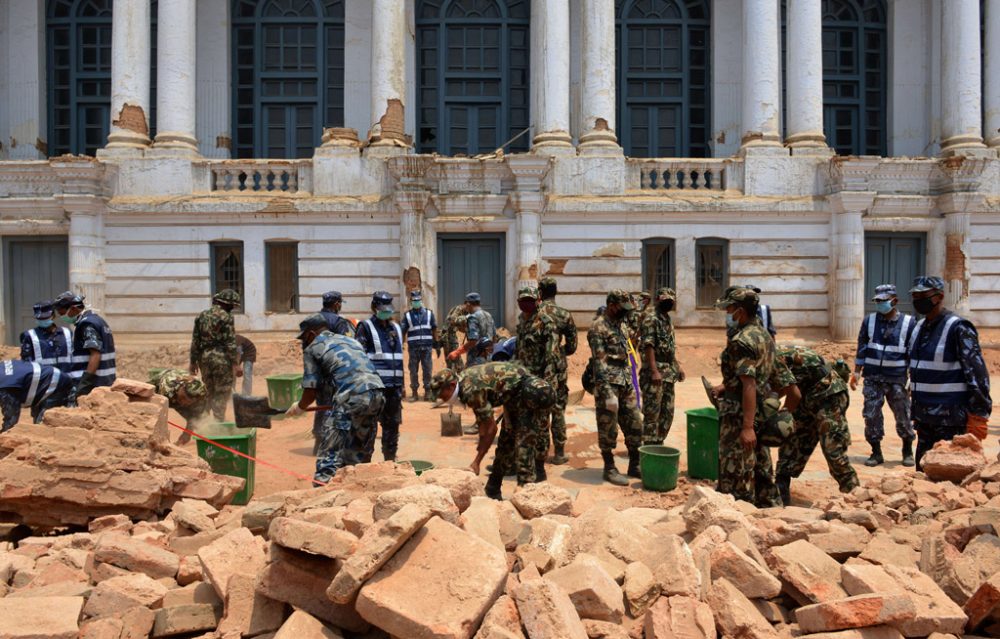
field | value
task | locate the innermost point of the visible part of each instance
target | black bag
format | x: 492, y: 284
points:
x: 588, y: 377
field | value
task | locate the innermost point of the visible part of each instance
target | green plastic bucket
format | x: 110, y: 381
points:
x: 284, y: 390
x: 659, y: 466
x: 224, y: 462
x: 420, y: 466
x: 703, y: 443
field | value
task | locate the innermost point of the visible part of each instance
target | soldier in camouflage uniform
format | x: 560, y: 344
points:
x: 614, y: 392
x: 745, y: 469
x: 660, y: 368
x: 566, y: 342
x: 480, y: 331
x: 185, y: 393
x: 337, y: 367
x: 536, y: 348
x: 523, y: 397
x: 456, y: 323
x: 820, y: 418
x: 214, y: 352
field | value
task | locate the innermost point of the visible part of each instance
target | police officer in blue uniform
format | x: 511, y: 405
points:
x: 382, y: 340
x: 883, y: 342
x: 93, y: 344
x: 333, y: 301
x: 46, y: 344
x: 420, y: 330
x: 41, y: 387
x: 949, y: 381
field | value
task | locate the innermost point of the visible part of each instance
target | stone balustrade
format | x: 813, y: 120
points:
x: 257, y: 176
x: 679, y: 174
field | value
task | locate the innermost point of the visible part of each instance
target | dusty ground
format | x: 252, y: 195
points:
x: 289, y: 443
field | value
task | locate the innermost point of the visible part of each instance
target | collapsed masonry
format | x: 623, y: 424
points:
x: 382, y: 553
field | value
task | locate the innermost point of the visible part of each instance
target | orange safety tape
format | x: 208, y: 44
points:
x: 254, y: 459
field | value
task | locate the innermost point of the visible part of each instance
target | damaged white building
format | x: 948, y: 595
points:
x: 153, y: 152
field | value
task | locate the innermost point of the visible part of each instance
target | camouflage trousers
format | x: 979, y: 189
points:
x: 657, y: 408
x: 11, y: 407
x: 746, y: 475
x: 876, y: 393
x: 825, y: 426
x: 217, y: 375
x: 420, y: 357
x: 347, y: 431
x: 557, y: 425
x: 627, y: 418
x: 517, y: 443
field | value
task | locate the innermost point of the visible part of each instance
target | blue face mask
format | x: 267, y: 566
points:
x: 883, y: 307
x: 731, y: 321
x: 46, y: 323
x: 66, y: 319
x: 417, y: 305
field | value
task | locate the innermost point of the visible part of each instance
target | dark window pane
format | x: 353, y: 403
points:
x: 282, y: 277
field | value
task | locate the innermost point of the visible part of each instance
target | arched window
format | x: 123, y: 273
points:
x: 663, y: 77
x: 472, y: 78
x: 288, y: 75
x: 854, y: 76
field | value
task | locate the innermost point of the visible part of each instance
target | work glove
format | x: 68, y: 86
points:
x: 976, y: 425
x: 455, y: 354
x: 86, y: 384
x: 853, y: 383
x: 294, y: 410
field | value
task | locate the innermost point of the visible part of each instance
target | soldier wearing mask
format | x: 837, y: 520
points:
x: 883, y: 342
x: 949, y: 381
x: 537, y: 349
x: 382, y: 340
x: 93, y: 344
x: 214, y: 351
x: 660, y: 368
x: 567, y: 342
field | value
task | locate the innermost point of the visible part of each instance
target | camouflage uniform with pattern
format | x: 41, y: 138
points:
x: 479, y: 325
x: 657, y: 332
x: 537, y: 349
x: 566, y: 343
x: 523, y: 397
x: 213, y: 351
x: 171, y: 382
x: 613, y: 377
x: 456, y: 323
x: 821, y: 418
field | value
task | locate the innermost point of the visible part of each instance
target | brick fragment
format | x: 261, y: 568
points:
x: 856, y: 612
x: 735, y: 615
x: 593, y: 592
x: 136, y: 556
x: 238, y: 552
x: 812, y: 575
x: 312, y: 538
x: 182, y: 620
x: 45, y: 618
x: 753, y: 580
x: 547, y: 612
x: 540, y: 499
x: 302, y: 625
x: 679, y: 618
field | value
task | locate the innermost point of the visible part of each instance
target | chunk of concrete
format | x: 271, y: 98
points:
x: 856, y: 612
x: 482, y: 519
x: 812, y: 575
x: 542, y: 498
x: 676, y: 572
x: 437, y: 499
x: 440, y: 584
x: 955, y: 459
x: 679, y: 618
x: 752, y: 579
x: 238, y: 552
x: 735, y: 615
x: 43, y: 618
x: 302, y: 625
x: 547, y: 612
x: 312, y: 538
x: 884, y: 550
x: 594, y: 594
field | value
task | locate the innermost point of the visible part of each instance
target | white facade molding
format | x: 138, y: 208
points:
x: 991, y: 98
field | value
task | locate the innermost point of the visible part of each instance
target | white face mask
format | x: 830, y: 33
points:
x: 731, y: 321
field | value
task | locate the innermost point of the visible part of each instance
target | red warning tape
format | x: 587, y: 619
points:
x: 254, y: 459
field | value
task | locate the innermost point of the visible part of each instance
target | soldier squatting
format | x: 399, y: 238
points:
x: 929, y: 369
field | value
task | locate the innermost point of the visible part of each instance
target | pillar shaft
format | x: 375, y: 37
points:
x: 598, y: 76
x: 176, y: 76
x: 25, y: 62
x: 130, y: 64
x: 804, y: 73
x: 761, y: 77
x: 992, y: 73
x: 388, y: 76
x: 961, y: 76
x: 550, y: 74
x: 86, y: 255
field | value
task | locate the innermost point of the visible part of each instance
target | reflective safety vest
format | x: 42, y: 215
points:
x: 936, y: 375
x: 388, y: 363
x: 30, y: 382
x: 420, y: 334
x: 885, y: 355
x: 49, y: 349
x: 106, y: 371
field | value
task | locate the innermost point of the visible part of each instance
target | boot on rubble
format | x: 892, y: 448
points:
x: 908, y: 453
x: 494, y: 484
x: 540, y: 475
x: 559, y: 458
x: 876, y: 458
x: 611, y: 474
x: 633, y: 464
x: 784, y: 483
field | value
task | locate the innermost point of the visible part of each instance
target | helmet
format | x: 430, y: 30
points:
x: 227, y: 296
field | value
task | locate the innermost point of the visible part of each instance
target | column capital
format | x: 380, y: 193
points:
x: 529, y: 171
x: 529, y: 202
x: 851, y: 202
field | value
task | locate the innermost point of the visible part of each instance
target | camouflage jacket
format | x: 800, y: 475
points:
x: 489, y: 386
x: 568, y: 339
x: 657, y: 331
x: 338, y: 367
x: 480, y: 324
x: 170, y: 382
x: 456, y: 323
x: 815, y: 378
x: 215, y: 334
x: 537, y: 345
x: 750, y: 352
x: 607, y: 339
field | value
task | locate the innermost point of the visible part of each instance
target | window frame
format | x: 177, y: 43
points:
x: 214, y: 267
x: 649, y: 271
x: 700, y: 243
x: 268, y: 269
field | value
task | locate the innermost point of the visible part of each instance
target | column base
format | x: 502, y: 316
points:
x: 173, y: 144
x: 600, y: 142
x: 125, y: 143
x: 812, y: 151
x: 385, y: 150
x: 806, y: 139
x: 553, y: 143
x: 771, y: 150
x: 965, y: 145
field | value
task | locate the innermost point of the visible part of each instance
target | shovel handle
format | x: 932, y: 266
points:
x: 313, y: 409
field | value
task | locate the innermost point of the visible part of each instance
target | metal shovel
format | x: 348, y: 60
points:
x: 256, y: 412
x: 451, y: 424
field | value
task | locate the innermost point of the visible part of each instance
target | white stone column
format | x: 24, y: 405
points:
x: 388, y: 74
x: 176, y: 74
x: 528, y: 201
x: 550, y: 73
x: 804, y: 75
x: 26, y: 117
x: 599, y: 67
x: 130, y: 67
x: 761, y: 75
x: 86, y: 250
x: 961, y: 76
x: 214, y: 94
x: 992, y: 73
x: 847, y: 302
x: 958, y: 209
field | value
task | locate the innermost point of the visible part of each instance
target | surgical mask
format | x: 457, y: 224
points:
x: 46, y: 323
x: 417, y: 305
x: 66, y: 319
x: 384, y: 315
x: 924, y: 305
x: 665, y: 306
x: 731, y: 321
x: 883, y: 307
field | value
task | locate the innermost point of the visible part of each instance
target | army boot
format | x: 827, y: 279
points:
x: 908, y: 453
x: 559, y: 458
x: 876, y: 458
x: 784, y: 483
x: 611, y: 474
x: 540, y: 471
x: 633, y: 464
x: 494, y: 484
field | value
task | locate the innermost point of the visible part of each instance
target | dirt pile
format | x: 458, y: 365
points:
x: 109, y: 456
x: 381, y: 553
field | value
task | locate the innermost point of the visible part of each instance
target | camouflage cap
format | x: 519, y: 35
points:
x: 927, y: 283
x: 526, y: 292
x: 736, y: 295
x: 227, y: 296
x: 666, y: 293
x: 621, y: 297
x: 548, y: 280
x: 195, y: 388
x: 843, y: 369
x: 441, y: 379
x: 884, y: 292
x: 752, y: 288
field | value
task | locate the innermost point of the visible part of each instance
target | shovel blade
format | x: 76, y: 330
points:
x: 252, y: 412
x: 451, y: 425
x: 708, y: 391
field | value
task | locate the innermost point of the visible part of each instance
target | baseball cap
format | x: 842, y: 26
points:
x: 927, y: 283
x: 884, y: 292
x: 332, y: 296
x: 527, y: 291
x: 313, y: 321
x: 666, y: 293
x: 621, y: 297
x: 43, y: 310
x: 473, y: 297
x: 442, y: 378
x: 736, y: 295
x: 416, y: 296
